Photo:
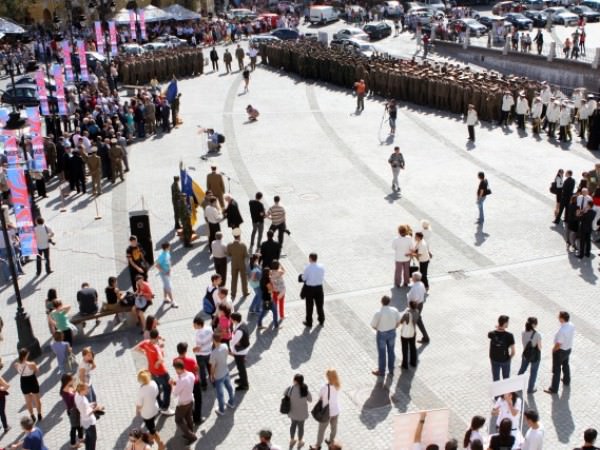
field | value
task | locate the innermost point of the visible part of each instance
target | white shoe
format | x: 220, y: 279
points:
x: 167, y: 412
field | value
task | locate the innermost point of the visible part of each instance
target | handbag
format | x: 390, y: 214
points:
x: 71, y: 363
x: 286, y: 403
x: 531, y: 353
x: 414, y: 267
x: 553, y: 188
x: 320, y: 412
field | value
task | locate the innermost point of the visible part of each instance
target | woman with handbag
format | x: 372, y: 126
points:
x: 30, y: 387
x: 532, y: 349
x: 329, y: 406
x: 408, y: 335
x: 67, y: 392
x: 4, y: 387
x: 298, y: 397
x: 88, y: 413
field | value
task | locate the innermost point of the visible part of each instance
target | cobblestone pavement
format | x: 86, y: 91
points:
x: 329, y: 165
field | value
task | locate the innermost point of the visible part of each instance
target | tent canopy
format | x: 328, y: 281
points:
x: 151, y: 14
x: 180, y: 13
x: 9, y: 27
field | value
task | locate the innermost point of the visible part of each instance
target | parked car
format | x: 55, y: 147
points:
x: 377, y: 30
x: 585, y: 12
x: 562, y: 16
x: 360, y: 47
x: 23, y: 95
x: 519, y: 21
x: 133, y: 49
x: 594, y: 4
x: 350, y: 32
x: 260, y: 38
x: 475, y: 28
x: 540, y: 5
x: 502, y: 8
x: 241, y: 14
x: 488, y: 21
x: 155, y: 46
x: 171, y: 41
x: 338, y: 43
x: 285, y: 34
x: 392, y: 8
x: 322, y: 14
x: 539, y: 18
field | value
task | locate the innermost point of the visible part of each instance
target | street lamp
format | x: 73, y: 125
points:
x: 25, y: 336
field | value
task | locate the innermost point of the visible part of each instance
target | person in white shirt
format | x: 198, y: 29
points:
x: 552, y: 115
x: 522, y: 109
x: 219, y: 255
x: 563, y: 343
x: 564, y: 121
x: 329, y: 395
x: 147, y: 406
x: 239, y: 346
x: 417, y: 294
x: 508, y: 407
x: 313, y: 278
x: 583, y: 115
x: 385, y: 321
x: 534, y: 439
x: 213, y: 217
x: 87, y: 414
x: 203, y: 342
x: 472, y: 120
x: 474, y: 432
x: 183, y: 389
x: 402, y: 248
x: 536, y: 114
x: 43, y: 238
x: 408, y: 335
x: 507, y: 103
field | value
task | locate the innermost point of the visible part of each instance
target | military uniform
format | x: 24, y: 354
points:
x: 94, y: 164
x: 175, y: 194
x: 186, y: 220
x: 238, y: 252
x: 116, y: 161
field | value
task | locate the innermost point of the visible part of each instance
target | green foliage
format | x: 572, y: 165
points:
x: 13, y: 9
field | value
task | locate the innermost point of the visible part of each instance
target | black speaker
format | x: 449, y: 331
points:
x: 139, y: 224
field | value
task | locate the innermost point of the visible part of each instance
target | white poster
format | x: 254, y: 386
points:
x: 435, y: 429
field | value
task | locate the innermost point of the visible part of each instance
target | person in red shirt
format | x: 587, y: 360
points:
x: 143, y: 298
x: 190, y: 365
x: 153, y: 349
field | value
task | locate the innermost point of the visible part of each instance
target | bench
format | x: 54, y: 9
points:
x: 80, y: 319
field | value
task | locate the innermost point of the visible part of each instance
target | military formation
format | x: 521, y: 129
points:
x: 441, y: 86
x: 160, y: 65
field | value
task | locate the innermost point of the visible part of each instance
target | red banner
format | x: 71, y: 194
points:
x: 42, y: 92
x: 39, y: 157
x: 34, y: 122
x: 22, y: 209
x: 66, y: 49
x: 99, y: 37
x: 12, y: 151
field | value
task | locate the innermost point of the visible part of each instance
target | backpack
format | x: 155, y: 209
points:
x: 531, y: 353
x: 244, y: 342
x: 220, y: 138
x: 208, y: 304
x: 498, y: 349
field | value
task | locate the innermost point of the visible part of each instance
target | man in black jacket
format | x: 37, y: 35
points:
x: 257, y: 213
x: 585, y: 230
x: 269, y: 250
x: 567, y: 192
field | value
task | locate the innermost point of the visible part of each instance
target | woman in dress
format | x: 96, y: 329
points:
x: 532, y: 348
x: 299, y: 399
x: 329, y: 396
x: 87, y: 366
x: 30, y: 387
x: 67, y: 392
x: 277, y: 273
x: 474, y: 432
x: 147, y: 405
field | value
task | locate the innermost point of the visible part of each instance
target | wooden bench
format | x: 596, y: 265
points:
x: 80, y: 319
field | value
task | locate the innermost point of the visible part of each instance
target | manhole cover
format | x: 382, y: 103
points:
x: 284, y: 189
x: 310, y: 196
x: 374, y: 397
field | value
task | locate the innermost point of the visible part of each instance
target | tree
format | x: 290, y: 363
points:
x: 13, y: 9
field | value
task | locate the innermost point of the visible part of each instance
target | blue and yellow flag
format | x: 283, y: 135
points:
x: 193, y: 191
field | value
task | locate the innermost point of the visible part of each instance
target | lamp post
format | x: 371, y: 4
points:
x: 25, y: 336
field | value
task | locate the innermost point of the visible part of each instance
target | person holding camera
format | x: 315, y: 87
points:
x: 396, y: 160
x: 43, y: 237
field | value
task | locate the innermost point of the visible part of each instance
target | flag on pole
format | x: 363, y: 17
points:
x: 192, y: 190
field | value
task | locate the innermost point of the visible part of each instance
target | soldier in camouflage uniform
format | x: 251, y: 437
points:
x: 186, y: 220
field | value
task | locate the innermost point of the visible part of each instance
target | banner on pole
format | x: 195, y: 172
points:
x: 34, y: 122
x: 66, y: 49
x: 28, y: 242
x: 112, y: 28
x: 39, y: 157
x: 83, y: 69
x: 12, y: 151
x: 99, y: 37
x: 40, y: 81
x: 60, y: 90
x: 132, y: 24
x: 143, y: 24
x: 20, y: 197
x: 3, y: 117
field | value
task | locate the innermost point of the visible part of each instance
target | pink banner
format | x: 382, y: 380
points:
x: 60, y: 91
x: 143, y: 24
x: 132, y: 24
x: 22, y: 209
x: 99, y: 38
x: 12, y: 151
x: 34, y: 122
x: 42, y: 93
x: 112, y: 28
x: 66, y: 49
x: 39, y: 157
x: 83, y: 70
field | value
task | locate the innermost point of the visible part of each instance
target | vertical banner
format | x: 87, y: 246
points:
x: 132, y: 24
x: 112, y: 28
x: 22, y: 208
x: 12, y: 151
x: 99, y: 37
x: 34, y: 122
x: 60, y: 90
x: 83, y: 70
x: 3, y: 117
x: 39, y: 158
x: 42, y: 94
x: 143, y: 24
x: 66, y: 49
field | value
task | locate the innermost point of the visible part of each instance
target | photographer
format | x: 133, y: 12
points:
x: 214, y: 140
x: 43, y: 237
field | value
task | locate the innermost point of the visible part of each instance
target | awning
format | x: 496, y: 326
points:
x: 180, y: 13
x: 9, y: 27
x: 151, y: 14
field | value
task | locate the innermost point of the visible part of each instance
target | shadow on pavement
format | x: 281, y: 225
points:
x: 300, y: 347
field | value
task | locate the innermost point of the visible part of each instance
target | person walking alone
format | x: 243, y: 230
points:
x: 360, y: 87
x: 483, y: 191
x: 561, y: 351
x: 392, y: 110
x: 214, y: 59
x: 163, y: 264
x: 43, y: 237
x: 396, y: 161
x: 30, y: 387
x: 313, y: 278
x: 384, y: 322
x: 472, y: 120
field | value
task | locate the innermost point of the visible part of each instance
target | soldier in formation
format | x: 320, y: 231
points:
x: 186, y: 220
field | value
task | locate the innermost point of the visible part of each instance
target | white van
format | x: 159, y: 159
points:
x: 322, y: 14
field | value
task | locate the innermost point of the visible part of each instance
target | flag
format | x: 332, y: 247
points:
x: 172, y: 91
x: 193, y: 192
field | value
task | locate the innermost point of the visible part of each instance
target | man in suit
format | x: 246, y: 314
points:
x: 238, y: 252
x: 585, y: 229
x: 269, y: 250
x: 215, y: 184
x: 567, y: 192
x: 232, y: 212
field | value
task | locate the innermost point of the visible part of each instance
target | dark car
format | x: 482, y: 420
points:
x: 488, y: 21
x: 377, y: 30
x: 285, y: 34
x: 519, y: 21
x: 586, y: 13
x: 23, y: 95
x: 539, y: 18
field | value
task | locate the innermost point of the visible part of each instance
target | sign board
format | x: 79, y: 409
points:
x: 435, y: 429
